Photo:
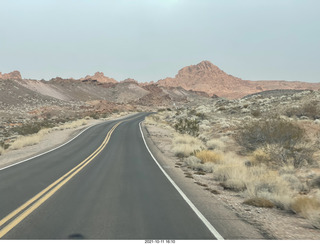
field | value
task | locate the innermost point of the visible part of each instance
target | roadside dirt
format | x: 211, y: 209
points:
x: 270, y: 223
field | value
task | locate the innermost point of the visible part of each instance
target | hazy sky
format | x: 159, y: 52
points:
x: 149, y: 39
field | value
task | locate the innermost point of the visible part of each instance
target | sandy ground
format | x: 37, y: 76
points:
x: 272, y: 223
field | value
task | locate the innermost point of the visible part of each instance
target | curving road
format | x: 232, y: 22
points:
x: 102, y: 185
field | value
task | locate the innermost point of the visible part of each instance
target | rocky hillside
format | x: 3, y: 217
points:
x: 23, y: 100
x: 208, y: 78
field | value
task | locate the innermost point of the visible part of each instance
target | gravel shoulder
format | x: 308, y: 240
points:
x: 223, y: 208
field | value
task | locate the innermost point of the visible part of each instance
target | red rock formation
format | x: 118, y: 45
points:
x: 15, y: 75
x: 206, y: 77
x: 99, y: 76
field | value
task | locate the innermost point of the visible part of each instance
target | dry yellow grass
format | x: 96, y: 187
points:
x: 209, y: 156
x: 302, y: 205
x: 259, y: 156
x: 256, y: 181
x: 33, y: 139
x: 72, y: 125
x: 1, y: 150
x: 259, y: 202
x: 309, y: 208
x: 185, y: 145
x: 216, y: 144
x: 24, y: 141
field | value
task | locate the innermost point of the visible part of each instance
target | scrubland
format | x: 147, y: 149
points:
x: 31, y: 134
x: 266, y: 148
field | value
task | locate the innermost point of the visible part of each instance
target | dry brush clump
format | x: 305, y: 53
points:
x: 35, y: 138
x: 309, y: 208
x: 310, y: 109
x: 28, y: 140
x: 2, y: 150
x: 207, y: 156
x: 283, y: 142
x: 186, y: 145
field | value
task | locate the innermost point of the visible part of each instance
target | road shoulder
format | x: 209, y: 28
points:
x: 225, y: 221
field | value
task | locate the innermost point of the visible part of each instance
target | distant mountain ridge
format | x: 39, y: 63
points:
x: 203, y: 77
x: 206, y: 77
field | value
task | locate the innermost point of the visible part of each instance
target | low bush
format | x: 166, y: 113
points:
x: 256, y: 134
x: 24, y: 141
x: 1, y: 150
x: 195, y: 164
x: 310, y: 109
x: 187, y: 126
x: 309, y: 208
x: 209, y: 156
x: 282, y: 141
x: 33, y: 128
x: 216, y: 144
x: 259, y: 202
x: 186, y: 145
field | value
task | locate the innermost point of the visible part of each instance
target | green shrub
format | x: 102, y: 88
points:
x: 32, y: 128
x: 187, y: 126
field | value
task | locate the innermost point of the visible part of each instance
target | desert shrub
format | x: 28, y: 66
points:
x: 201, y: 116
x: 256, y: 113
x: 259, y: 156
x: 4, y: 145
x: 256, y: 134
x: 187, y: 126
x: 236, y: 185
x: 269, y: 185
x: 195, y: 164
x: 308, y: 207
x: 186, y: 145
x: 1, y: 150
x: 209, y: 156
x: 283, y: 141
x: 315, y: 183
x: 259, y: 202
x: 236, y: 173
x: 294, y: 183
x: 28, y: 140
x: 32, y: 128
x: 309, y: 109
x: 73, y: 124
x: 216, y: 144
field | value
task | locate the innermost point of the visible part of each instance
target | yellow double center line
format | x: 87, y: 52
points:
x: 45, y: 194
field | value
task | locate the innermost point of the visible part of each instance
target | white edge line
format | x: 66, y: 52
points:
x: 193, y: 207
x: 47, y: 151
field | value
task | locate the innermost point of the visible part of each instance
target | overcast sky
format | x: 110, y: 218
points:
x: 149, y: 39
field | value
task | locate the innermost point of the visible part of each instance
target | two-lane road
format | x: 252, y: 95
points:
x: 102, y: 185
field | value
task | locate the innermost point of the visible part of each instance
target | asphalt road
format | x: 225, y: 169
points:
x: 102, y: 185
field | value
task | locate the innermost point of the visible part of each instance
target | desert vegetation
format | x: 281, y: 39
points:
x: 264, y: 147
x: 33, y: 133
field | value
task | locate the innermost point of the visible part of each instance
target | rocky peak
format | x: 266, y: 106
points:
x: 100, y: 77
x: 204, y: 68
x: 14, y: 75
